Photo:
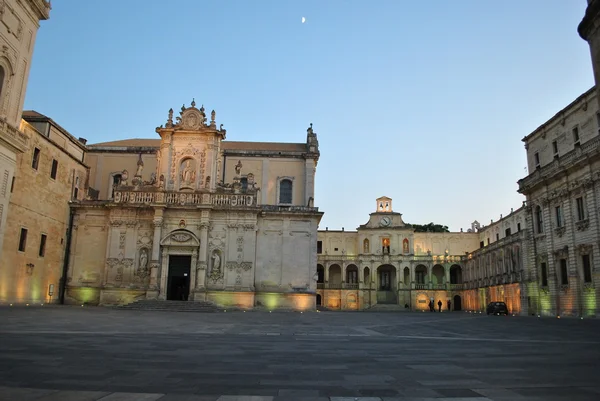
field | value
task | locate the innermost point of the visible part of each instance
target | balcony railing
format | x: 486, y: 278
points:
x: 185, y: 198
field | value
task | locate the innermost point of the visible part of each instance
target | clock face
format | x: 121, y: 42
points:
x: 385, y: 221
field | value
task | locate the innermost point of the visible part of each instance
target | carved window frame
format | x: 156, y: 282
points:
x: 584, y: 206
x: 8, y: 70
x: 539, y: 219
x: 279, y: 181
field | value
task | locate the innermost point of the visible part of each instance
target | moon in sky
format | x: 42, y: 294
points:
x: 303, y: 20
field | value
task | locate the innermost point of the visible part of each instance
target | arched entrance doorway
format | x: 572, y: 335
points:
x: 319, y: 300
x: 178, y: 266
x: 457, y: 303
x: 386, y: 285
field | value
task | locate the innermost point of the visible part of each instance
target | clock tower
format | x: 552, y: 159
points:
x: 384, y: 216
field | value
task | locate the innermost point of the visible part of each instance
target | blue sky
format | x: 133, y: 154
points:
x: 422, y: 101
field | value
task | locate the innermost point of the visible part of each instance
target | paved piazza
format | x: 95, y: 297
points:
x: 71, y: 354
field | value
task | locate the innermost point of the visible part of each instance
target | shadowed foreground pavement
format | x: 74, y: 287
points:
x: 67, y: 353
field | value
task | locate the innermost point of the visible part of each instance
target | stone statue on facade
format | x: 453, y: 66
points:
x: 124, y: 177
x: 216, y: 264
x: 238, y: 167
x: 188, y: 175
x: 143, y: 259
x: 161, y: 181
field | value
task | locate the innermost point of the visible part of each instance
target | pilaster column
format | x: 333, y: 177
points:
x: 202, y: 265
x: 164, y: 267
x: 158, y: 222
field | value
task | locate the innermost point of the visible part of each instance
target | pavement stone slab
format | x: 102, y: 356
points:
x: 388, y: 356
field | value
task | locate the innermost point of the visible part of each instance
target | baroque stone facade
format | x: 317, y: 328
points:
x: 191, y: 216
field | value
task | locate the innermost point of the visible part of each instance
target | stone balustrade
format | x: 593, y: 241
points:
x: 184, y: 198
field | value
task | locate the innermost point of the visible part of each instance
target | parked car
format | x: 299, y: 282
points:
x: 497, y: 308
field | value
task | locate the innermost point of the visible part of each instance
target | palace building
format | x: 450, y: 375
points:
x: 385, y: 261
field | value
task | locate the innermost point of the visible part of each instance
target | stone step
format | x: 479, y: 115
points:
x: 170, y: 306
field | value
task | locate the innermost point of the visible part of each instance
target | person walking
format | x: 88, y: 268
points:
x: 449, y: 305
x: 440, y: 306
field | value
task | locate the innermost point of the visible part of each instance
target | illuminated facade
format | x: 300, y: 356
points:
x: 386, y: 262
x: 191, y: 216
x: 19, y: 23
x: 49, y: 173
x: 562, y: 212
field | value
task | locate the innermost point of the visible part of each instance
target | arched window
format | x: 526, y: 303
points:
x: 285, y: 191
x: 2, y: 76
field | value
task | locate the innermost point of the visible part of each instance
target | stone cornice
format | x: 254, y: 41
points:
x: 16, y: 140
x: 575, y: 158
x: 590, y: 20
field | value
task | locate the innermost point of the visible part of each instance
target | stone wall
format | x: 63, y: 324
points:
x: 39, y: 204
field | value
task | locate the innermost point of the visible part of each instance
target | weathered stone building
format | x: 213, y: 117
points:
x: 562, y: 212
x: 496, y: 270
x: 50, y: 173
x: 19, y: 23
x: 191, y: 216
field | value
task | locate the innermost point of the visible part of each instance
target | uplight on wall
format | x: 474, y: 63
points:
x: 51, y: 291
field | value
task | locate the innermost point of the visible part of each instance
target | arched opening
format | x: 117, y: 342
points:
x: 320, y: 276
x: 335, y: 276
x: 420, y: 276
x: 456, y: 274
x: 366, y: 245
x: 407, y: 276
x: 437, y: 275
x: 386, y: 284
x: 2, y: 76
x: 351, y: 276
x: 457, y: 303
x: 366, y: 273
x: 319, y: 300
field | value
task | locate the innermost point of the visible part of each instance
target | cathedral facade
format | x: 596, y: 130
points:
x: 191, y: 216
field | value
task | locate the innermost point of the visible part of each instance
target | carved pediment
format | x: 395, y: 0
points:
x: 180, y: 238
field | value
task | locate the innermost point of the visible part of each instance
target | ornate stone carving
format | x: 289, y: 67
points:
x: 582, y: 225
x: 216, y: 272
x: 584, y: 249
x: 122, y: 239
x: 181, y: 237
x: 231, y: 265
x: 201, y: 266
x: 143, y: 271
x: 560, y: 231
x: 246, y: 266
x: 562, y: 252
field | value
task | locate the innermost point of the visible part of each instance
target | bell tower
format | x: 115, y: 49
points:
x: 384, y: 205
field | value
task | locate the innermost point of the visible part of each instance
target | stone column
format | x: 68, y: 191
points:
x: 164, y: 267
x: 193, y: 272
x: 154, y: 262
x: 309, y: 180
x: 202, y: 265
